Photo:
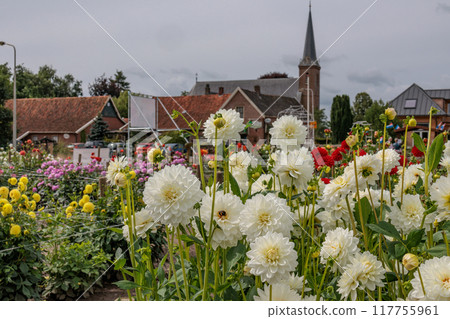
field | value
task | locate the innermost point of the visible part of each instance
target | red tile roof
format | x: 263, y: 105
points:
x: 198, y: 106
x: 67, y: 114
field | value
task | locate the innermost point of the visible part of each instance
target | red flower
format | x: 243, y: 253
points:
x: 393, y: 171
x: 329, y: 161
x: 244, y: 148
x: 337, y: 154
x: 22, y: 153
x: 401, y: 161
x: 361, y: 152
x: 344, y: 145
x: 326, y: 180
x: 416, y: 152
x: 204, y: 151
x: 29, y: 142
x: 239, y: 145
x: 323, y: 151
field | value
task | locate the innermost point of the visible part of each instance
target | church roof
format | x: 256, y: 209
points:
x: 278, y: 86
x: 309, y: 52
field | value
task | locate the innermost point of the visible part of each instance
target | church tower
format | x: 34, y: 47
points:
x: 309, y: 67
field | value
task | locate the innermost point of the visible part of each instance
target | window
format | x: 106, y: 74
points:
x: 410, y: 104
x: 34, y: 138
x: 55, y: 138
x: 240, y: 110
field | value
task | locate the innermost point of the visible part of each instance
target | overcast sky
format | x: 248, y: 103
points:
x: 396, y: 43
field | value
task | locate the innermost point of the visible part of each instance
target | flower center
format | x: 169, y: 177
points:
x: 170, y: 194
x: 446, y: 283
x: 447, y: 201
x: 289, y: 131
x: 222, y: 215
x: 264, y: 218
x: 366, y: 171
x: 272, y: 255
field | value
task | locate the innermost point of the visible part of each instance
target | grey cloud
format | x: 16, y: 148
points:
x: 372, y: 77
x: 290, y: 60
x: 443, y: 7
x: 330, y: 59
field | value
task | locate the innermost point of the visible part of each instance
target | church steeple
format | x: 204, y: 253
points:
x: 309, y: 52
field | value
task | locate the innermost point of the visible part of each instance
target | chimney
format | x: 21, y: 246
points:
x: 221, y: 90
x: 257, y: 89
x: 207, y: 89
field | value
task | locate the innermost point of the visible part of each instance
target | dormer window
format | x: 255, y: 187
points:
x: 410, y: 104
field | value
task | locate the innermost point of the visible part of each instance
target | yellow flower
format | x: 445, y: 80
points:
x: 12, y: 181
x: 3, y: 201
x: 14, y: 194
x: 86, y: 198
x: 412, y: 122
x: 32, y: 205
x: 70, y: 210
x: 32, y: 214
x: 24, y: 197
x: 132, y: 174
x: 88, y: 207
x: 219, y: 122
x: 88, y: 189
x: 36, y: 197
x: 15, y: 230
x: 7, y: 209
x: 26, y: 232
x: 120, y: 179
x: 68, y: 215
x: 390, y: 113
x: 23, y: 180
x: 81, y: 203
x: 4, y: 191
x: 74, y: 204
x: 352, y: 140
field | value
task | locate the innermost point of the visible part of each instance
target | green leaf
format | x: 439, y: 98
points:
x: 418, y: 142
x: 235, y: 254
x: 119, y: 264
x: 414, y: 238
x: 366, y: 209
x: 234, y: 186
x: 126, y: 284
x: 24, y: 268
x: 189, y: 240
x: 435, y: 152
x: 160, y: 271
x: 438, y: 250
x: 386, y: 229
x: 117, y: 230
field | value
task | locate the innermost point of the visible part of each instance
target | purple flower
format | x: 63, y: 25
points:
x: 55, y: 187
x: 34, y: 189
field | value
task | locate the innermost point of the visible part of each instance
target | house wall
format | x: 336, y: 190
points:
x: 250, y: 113
x: 423, y: 121
x: 73, y: 138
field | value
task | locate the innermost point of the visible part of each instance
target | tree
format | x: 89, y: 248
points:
x: 6, y: 87
x: 321, y: 118
x: 121, y: 103
x: 109, y: 86
x: 43, y: 84
x: 341, y: 117
x: 372, y: 115
x: 361, y: 104
x: 99, y: 129
x: 273, y: 75
x: 6, y: 118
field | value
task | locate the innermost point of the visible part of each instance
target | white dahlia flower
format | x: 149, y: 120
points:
x: 262, y: 183
x: 337, y: 189
x: 410, y: 215
x: 117, y: 165
x: 272, y: 257
x: 367, y: 167
x: 440, y: 193
x: 373, y: 273
x: 446, y: 152
x: 391, y: 159
x: 227, y: 209
x: 412, y: 175
x: 229, y: 131
x: 436, y: 280
x: 348, y: 283
x: 295, y: 167
x: 143, y: 221
x: 280, y: 292
x: 288, y: 130
x: 172, y: 194
x: 296, y: 283
x: 445, y: 161
x: 339, y: 245
x: 239, y: 162
x: 328, y: 221
x: 263, y: 214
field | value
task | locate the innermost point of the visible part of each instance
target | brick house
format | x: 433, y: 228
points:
x: 417, y: 102
x: 67, y: 119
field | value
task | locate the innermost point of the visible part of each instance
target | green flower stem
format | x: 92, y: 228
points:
x: 404, y: 163
x: 242, y: 290
x: 180, y: 249
x: 270, y: 293
x: 382, y: 171
x: 208, y: 245
x: 152, y: 270
x: 444, y: 235
x: 363, y: 227
x: 421, y: 282
x: 352, y: 219
x: 216, y: 271
x: 200, y: 163
x: 319, y: 291
x: 172, y: 264
x: 427, y: 172
x: 390, y: 191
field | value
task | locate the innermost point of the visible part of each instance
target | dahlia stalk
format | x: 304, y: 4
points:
x: 404, y: 160
x: 427, y: 172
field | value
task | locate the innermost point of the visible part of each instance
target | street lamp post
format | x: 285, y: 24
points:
x: 2, y: 43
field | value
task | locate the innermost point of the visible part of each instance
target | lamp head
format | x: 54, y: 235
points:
x: 2, y: 43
